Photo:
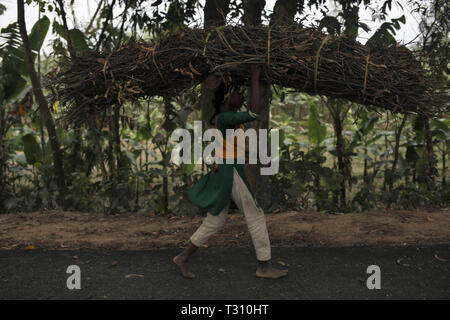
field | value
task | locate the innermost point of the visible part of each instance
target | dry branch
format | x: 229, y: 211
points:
x: 304, y: 59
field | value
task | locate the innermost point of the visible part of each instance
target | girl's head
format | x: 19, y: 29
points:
x: 227, y: 98
x: 235, y: 99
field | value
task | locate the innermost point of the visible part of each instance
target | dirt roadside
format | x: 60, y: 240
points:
x: 72, y: 230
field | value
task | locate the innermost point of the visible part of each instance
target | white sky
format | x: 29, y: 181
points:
x: 85, y: 8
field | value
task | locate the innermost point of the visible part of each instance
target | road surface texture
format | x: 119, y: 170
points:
x: 407, y: 272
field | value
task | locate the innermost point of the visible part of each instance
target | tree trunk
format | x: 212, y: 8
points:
x: 431, y: 160
x: 365, y: 177
x: 396, y: 151
x: 116, y: 141
x: 338, y: 114
x: 43, y: 106
x: 386, y: 146
x: 75, y: 156
x: 284, y: 12
x: 94, y: 16
x: 165, y: 158
x: 2, y: 158
x: 124, y: 16
x: 215, y: 12
x: 98, y: 148
x: 340, y: 152
x: 66, y: 28
x: 398, y: 132
x: 253, y: 11
x: 259, y: 184
x: 444, y: 168
x: 105, y: 25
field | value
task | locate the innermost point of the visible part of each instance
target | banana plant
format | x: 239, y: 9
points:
x: 317, y: 130
x: 13, y: 79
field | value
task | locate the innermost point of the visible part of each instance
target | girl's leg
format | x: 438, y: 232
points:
x: 182, y: 259
x: 211, y: 224
x: 256, y: 222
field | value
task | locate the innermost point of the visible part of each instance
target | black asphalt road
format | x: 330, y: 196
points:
x: 228, y: 273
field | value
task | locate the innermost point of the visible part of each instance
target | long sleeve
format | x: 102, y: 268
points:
x: 231, y: 119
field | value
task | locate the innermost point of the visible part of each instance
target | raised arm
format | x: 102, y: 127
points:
x: 230, y: 119
x: 255, y: 100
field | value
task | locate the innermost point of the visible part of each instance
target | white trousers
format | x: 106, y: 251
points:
x: 254, y: 216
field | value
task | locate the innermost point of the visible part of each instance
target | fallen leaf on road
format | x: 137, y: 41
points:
x: 361, y: 279
x: 75, y: 257
x: 252, y: 288
x: 399, y: 262
x: 31, y: 247
x: 134, y: 276
x: 281, y: 263
x: 114, y: 263
x: 221, y: 270
x: 430, y: 219
x: 438, y: 258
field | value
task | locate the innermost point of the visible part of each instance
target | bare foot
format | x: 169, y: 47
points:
x: 265, y: 271
x: 182, y: 264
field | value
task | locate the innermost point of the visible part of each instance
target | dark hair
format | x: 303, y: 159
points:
x: 219, y: 97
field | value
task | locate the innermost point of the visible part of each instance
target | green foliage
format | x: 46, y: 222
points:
x: 2, y: 9
x: 129, y: 169
x: 77, y: 37
x: 332, y: 25
x: 308, y: 178
x: 38, y: 33
x: 317, y: 130
x: 351, y: 19
x: 384, y: 36
x: 303, y: 182
x: 13, y: 81
x: 31, y: 148
x: 434, y: 31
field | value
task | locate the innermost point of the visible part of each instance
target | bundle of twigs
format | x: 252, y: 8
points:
x: 304, y: 59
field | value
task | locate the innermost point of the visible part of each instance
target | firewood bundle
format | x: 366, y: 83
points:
x: 306, y: 60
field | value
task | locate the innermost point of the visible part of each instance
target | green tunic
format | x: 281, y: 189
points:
x: 213, y: 191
